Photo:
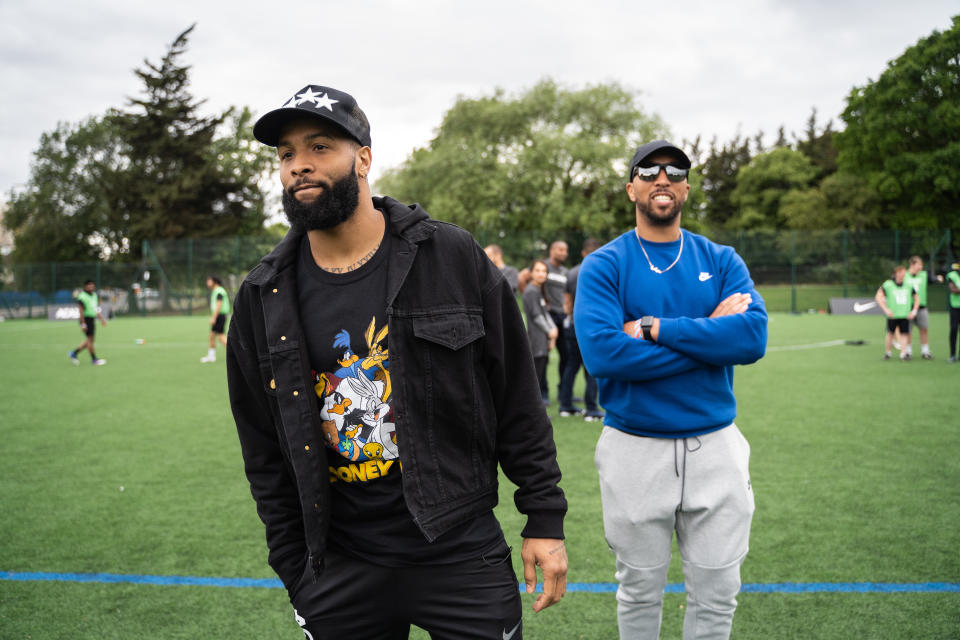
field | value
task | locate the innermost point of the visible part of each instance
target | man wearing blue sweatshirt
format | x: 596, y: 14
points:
x: 662, y: 315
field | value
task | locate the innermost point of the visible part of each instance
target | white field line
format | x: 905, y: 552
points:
x: 815, y: 345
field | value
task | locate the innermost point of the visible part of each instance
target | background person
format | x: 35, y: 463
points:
x: 219, y: 309
x: 554, y: 288
x: 919, y: 278
x: 574, y: 359
x: 541, y: 328
x: 89, y: 304
x: 495, y: 253
x: 662, y: 316
x: 899, y: 301
x: 953, y: 283
x: 379, y: 373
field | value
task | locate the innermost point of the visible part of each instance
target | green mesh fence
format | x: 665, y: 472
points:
x: 794, y: 271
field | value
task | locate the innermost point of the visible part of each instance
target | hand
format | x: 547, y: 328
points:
x: 553, y: 333
x: 103, y: 321
x: 83, y: 326
x: 734, y: 304
x: 888, y: 312
x: 911, y: 315
x: 632, y: 329
x: 551, y: 556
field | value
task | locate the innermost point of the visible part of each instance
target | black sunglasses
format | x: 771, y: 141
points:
x: 649, y: 174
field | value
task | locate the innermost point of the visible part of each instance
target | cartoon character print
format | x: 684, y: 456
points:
x: 355, y: 400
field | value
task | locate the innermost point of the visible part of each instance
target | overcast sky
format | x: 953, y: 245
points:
x: 707, y: 68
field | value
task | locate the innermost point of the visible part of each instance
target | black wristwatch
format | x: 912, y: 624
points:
x: 646, y: 325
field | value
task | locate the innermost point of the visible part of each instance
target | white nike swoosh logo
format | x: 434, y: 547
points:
x: 860, y: 308
x: 507, y: 636
x: 704, y: 276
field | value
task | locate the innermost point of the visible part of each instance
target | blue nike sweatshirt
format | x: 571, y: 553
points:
x: 681, y: 385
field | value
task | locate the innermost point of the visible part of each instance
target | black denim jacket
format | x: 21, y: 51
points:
x: 465, y: 397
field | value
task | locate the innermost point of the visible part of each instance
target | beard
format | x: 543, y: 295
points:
x: 335, y: 205
x: 659, y: 219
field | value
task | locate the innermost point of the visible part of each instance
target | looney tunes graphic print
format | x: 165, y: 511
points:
x: 355, y: 399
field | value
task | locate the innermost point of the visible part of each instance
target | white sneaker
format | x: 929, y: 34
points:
x: 98, y: 362
x: 206, y: 359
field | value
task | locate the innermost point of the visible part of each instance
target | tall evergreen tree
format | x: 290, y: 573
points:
x: 178, y: 185
x: 158, y: 170
x: 719, y: 172
x: 819, y: 146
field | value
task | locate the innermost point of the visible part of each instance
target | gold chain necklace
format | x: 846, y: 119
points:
x: 653, y: 268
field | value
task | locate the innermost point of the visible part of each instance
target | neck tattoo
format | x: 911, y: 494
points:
x: 657, y: 269
x: 356, y: 265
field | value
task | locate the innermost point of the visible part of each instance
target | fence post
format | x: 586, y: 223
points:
x: 846, y: 261
x: 190, y: 275
x: 793, y: 271
x: 896, y: 245
x: 236, y: 255
x: 30, y: 291
x: 53, y: 287
x: 143, y: 269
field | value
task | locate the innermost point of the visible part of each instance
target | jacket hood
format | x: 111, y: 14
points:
x: 410, y: 222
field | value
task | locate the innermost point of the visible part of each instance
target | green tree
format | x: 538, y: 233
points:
x: 903, y: 133
x: 719, y: 172
x: 65, y: 211
x: 841, y: 201
x: 99, y: 188
x: 819, y: 146
x: 762, y: 185
x: 550, y: 160
x: 182, y: 180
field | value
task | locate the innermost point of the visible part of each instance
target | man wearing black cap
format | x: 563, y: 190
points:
x: 379, y: 372
x: 662, y: 315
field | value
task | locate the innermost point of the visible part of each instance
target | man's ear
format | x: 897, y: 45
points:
x: 630, y: 194
x: 363, y: 161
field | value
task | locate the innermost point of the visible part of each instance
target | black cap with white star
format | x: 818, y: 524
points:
x: 313, y: 100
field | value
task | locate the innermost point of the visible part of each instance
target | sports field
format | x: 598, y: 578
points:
x: 124, y: 511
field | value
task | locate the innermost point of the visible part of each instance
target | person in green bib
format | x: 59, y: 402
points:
x: 219, y: 308
x: 89, y: 305
x: 900, y: 302
x: 918, y: 277
x: 953, y: 282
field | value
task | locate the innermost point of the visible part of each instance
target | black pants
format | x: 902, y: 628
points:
x: 562, y: 355
x: 954, y: 328
x: 478, y: 598
x: 574, y: 362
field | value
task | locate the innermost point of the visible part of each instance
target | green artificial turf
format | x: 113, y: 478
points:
x: 134, y: 468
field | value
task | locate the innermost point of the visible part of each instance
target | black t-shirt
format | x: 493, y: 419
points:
x: 345, y: 328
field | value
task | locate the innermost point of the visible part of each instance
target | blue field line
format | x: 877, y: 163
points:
x: 581, y: 587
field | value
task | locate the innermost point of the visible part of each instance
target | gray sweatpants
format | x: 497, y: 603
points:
x: 698, y: 487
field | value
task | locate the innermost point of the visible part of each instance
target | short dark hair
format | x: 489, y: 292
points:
x: 89, y: 281
x: 592, y: 244
x: 216, y: 280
